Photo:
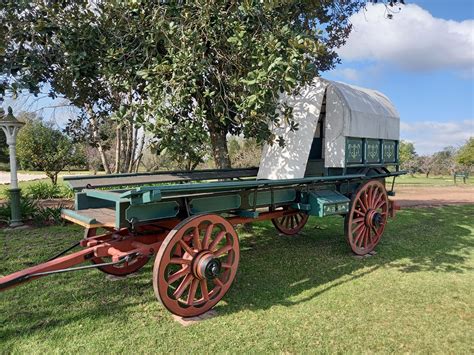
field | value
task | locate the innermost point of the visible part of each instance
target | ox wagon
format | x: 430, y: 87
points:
x: 336, y: 163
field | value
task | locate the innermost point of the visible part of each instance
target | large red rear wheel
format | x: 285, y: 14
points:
x: 290, y: 224
x: 365, y: 222
x: 196, y: 265
x: 122, y: 269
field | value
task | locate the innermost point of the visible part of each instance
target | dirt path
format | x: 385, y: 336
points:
x: 5, y: 177
x: 426, y: 196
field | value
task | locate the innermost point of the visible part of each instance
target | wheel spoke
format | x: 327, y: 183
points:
x: 204, y: 291
x: 226, y: 266
x: 207, y: 236
x: 183, y: 286
x: 180, y: 261
x: 192, y: 292
x: 380, y: 198
x: 366, y: 239
x: 356, y: 239
x: 186, y: 247
x: 380, y: 204
x: 359, y: 213
x: 361, y: 205
x: 223, y: 250
x: 360, y: 224
x: 177, y: 275
x: 369, y: 197
x: 196, y: 240
x: 357, y: 220
x: 216, y: 241
x: 218, y: 282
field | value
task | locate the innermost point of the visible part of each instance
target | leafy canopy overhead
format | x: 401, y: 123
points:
x: 212, y: 66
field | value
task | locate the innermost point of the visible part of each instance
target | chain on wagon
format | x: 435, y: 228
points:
x: 336, y: 163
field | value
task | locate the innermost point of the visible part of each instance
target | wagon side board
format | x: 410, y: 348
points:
x: 319, y: 196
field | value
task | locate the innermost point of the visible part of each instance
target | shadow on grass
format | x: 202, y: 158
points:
x: 274, y: 270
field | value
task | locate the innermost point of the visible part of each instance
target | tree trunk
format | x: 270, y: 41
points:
x: 118, y: 148
x: 134, y: 143
x: 96, y: 137
x: 219, y: 145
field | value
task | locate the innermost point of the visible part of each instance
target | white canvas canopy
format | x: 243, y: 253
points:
x: 350, y: 112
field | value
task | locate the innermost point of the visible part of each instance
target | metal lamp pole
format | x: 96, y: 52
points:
x: 11, y: 126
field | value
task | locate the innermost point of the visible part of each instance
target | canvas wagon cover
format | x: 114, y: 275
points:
x: 350, y: 112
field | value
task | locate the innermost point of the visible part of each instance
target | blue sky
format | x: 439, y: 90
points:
x: 423, y: 60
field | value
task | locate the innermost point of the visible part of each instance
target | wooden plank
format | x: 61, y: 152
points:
x: 91, y: 218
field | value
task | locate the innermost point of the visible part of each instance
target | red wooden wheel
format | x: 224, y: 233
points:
x: 291, y: 224
x: 196, y: 265
x: 365, y: 222
x: 123, y: 269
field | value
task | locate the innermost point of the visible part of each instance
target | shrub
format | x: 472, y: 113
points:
x: 44, y: 190
x: 32, y: 211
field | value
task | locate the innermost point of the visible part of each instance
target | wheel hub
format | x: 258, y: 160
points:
x: 373, y: 219
x: 377, y: 219
x: 205, y: 266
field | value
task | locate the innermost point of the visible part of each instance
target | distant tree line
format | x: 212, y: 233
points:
x: 445, y: 162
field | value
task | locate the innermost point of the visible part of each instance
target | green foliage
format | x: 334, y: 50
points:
x: 202, y: 68
x: 28, y: 208
x: 407, y: 156
x: 465, y: 155
x: 32, y: 211
x: 41, y: 147
x: 44, y: 190
x: 4, y: 155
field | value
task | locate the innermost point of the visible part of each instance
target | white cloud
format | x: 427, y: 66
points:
x: 348, y: 74
x: 413, y: 40
x: 429, y: 136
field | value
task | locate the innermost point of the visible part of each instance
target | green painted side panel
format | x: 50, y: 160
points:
x: 279, y: 196
x: 354, y: 151
x: 389, y: 151
x: 105, y: 195
x: 326, y: 202
x: 145, y: 194
x: 120, y: 214
x: 152, y: 211
x: 301, y: 206
x: 215, y: 203
x: 372, y: 151
x: 83, y: 202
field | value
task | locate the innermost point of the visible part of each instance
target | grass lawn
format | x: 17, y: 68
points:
x: 301, y: 294
x: 435, y: 180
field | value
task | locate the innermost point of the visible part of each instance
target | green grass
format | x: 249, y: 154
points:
x: 302, y: 294
x: 436, y: 180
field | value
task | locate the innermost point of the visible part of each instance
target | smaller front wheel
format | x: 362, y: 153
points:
x: 120, y: 270
x: 196, y: 265
x: 290, y: 224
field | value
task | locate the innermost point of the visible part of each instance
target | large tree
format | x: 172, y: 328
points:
x: 224, y: 64
x: 215, y: 66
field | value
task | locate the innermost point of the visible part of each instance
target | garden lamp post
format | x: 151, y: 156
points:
x: 11, y: 126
